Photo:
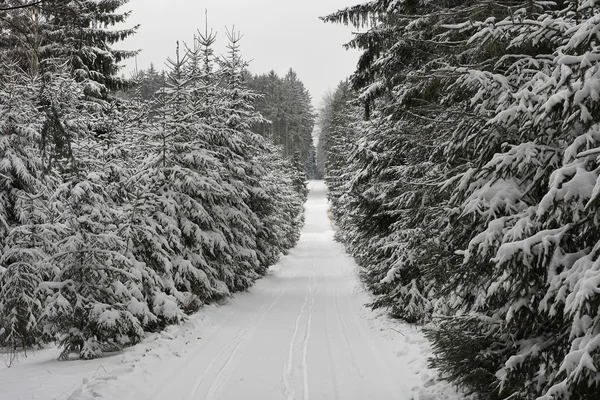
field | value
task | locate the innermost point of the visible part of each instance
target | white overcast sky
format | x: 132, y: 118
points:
x: 278, y: 34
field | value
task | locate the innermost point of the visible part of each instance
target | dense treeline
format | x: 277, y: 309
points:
x: 147, y: 83
x: 284, y: 103
x: 462, y: 162
x: 120, y: 216
x: 287, y: 106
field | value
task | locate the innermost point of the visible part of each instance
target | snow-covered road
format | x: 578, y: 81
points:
x: 301, y: 333
x: 298, y: 336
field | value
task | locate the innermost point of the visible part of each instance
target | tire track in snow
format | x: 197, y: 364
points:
x: 344, y: 334
x: 235, y: 343
x: 307, y: 339
x: 287, y: 370
x: 217, y: 384
x: 332, y: 363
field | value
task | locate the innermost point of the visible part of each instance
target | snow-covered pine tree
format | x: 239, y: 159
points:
x: 261, y: 180
x: 26, y: 236
x: 185, y: 175
x: 237, y: 116
x: 398, y: 205
x: 22, y: 165
x: 101, y: 262
x: 26, y: 249
x: 336, y: 140
x: 82, y: 31
x: 93, y: 301
x: 147, y: 239
x: 148, y: 244
x: 299, y: 176
x: 521, y: 177
x: 339, y: 133
x: 529, y: 323
x: 279, y: 205
x: 117, y: 131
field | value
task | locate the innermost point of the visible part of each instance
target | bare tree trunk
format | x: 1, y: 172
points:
x: 35, y: 61
x: 531, y: 9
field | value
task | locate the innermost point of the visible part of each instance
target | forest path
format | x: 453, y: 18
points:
x: 297, y: 335
x: 302, y: 332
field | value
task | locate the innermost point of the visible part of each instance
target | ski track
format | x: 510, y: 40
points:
x: 345, y: 335
x: 307, y: 340
x: 335, y: 379
x: 287, y: 374
x: 223, y: 370
x: 310, y: 331
x: 222, y: 374
x: 301, y: 333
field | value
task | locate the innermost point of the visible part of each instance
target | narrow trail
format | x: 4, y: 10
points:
x: 301, y: 333
x: 298, y: 335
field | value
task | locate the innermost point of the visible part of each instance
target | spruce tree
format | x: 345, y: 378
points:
x: 399, y: 160
x: 477, y: 169
x: 531, y: 236
x: 93, y: 301
x: 81, y: 31
x: 26, y: 232
x: 186, y: 178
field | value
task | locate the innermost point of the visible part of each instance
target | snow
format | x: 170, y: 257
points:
x: 107, y: 317
x: 302, y: 332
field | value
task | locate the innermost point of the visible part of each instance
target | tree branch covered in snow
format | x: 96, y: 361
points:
x: 119, y: 217
x: 497, y: 104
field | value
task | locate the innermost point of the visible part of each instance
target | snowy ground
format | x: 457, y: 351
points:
x: 301, y: 333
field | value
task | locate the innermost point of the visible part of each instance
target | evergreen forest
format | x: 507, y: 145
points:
x: 462, y: 164
x: 461, y: 160
x: 128, y: 203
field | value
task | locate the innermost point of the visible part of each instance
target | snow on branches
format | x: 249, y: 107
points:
x: 473, y: 188
x: 119, y: 217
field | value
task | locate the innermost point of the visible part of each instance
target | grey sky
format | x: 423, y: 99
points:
x: 278, y: 34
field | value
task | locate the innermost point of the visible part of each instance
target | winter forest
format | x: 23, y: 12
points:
x: 462, y: 164
x: 461, y: 161
x: 128, y: 203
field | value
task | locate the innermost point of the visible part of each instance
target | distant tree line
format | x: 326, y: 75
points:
x: 285, y: 104
x: 147, y: 83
